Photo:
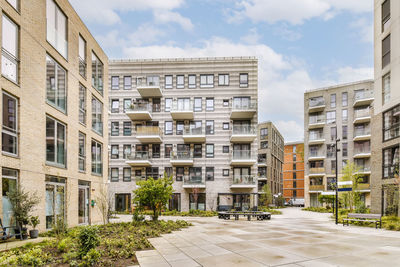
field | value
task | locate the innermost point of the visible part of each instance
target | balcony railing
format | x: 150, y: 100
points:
x: 241, y: 154
x: 193, y: 131
x: 139, y: 155
x: 316, y: 119
x: 250, y: 105
x: 362, y: 169
x: 316, y: 102
x: 317, y: 170
x: 363, y: 186
x: 139, y: 107
x: 320, y: 187
x: 362, y: 131
x: 182, y: 106
x: 149, y: 81
x: 361, y: 113
x: 362, y: 150
x: 316, y: 154
x: 244, y: 130
x: 181, y: 155
x: 148, y: 130
x: 244, y: 180
x: 193, y: 180
x: 314, y: 137
x: 361, y: 95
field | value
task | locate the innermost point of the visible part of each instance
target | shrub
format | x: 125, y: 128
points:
x: 137, y: 216
x: 361, y: 208
x: 91, y: 258
x: 64, y: 245
x: 88, y: 239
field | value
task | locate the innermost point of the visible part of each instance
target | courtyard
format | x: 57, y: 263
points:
x: 295, y: 238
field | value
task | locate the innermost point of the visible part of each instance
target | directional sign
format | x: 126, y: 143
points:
x: 345, y: 189
x: 345, y: 183
x: 328, y: 193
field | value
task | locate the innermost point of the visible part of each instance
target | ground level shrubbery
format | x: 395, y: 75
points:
x: 270, y: 210
x: 113, y: 244
x: 318, y: 209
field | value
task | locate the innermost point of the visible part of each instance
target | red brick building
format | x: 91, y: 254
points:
x: 293, y: 171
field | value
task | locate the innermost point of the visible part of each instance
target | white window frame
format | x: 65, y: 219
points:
x: 168, y: 82
x: 97, y: 158
x: 52, y: 34
x: 97, y: 81
x: 82, y: 57
x: 54, y: 86
x: 10, y: 59
x: 223, y: 79
x: 206, y: 80
x: 114, y: 82
x: 192, y: 85
x: 127, y: 85
x: 97, y: 109
x: 82, y: 104
x: 180, y: 84
x: 56, y: 138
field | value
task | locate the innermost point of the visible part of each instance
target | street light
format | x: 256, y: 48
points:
x: 337, y: 187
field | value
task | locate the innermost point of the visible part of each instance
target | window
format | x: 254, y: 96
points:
x: 197, y: 104
x: 127, y: 82
x: 167, y: 150
x: 195, y: 174
x: 192, y: 81
x: 263, y: 133
x: 386, y: 51
x: 156, y: 104
x: 9, y: 131
x: 264, y: 144
x: 223, y: 79
x: 97, y: 73
x: 225, y: 149
x: 225, y: 102
x: 179, y: 127
x: 180, y: 171
x: 97, y: 158
x: 209, y: 104
x: 209, y: 150
x: 82, y: 152
x: 333, y: 133
x: 391, y: 159
x: 168, y: 104
x: 312, y: 151
x: 114, y: 83
x: 209, y: 127
x: 10, y: 54
x: 115, y: 106
x: 127, y: 131
x: 386, y: 88
x: 391, y: 123
x: 114, y: 175
x: 197, y: 153
x: 97, y: 116
x: 168, y: 171
x: 114, y: 151
x: 127, y: 104
x: 56, y: 80
x: 385, y: 15
x: 168, y: 128
x: 56, y: 149
x: 152, y: 172
x: 82, y: 57
x: 333, y: 100
x: 180, y: 81
x: 344, y: 149
x: 82, y: 104
x: 209, y: 173
x: 344, y: 132
x: 344, y: 115
x: 115, y: 128
x: 14, y: 4
x: 344, y: 99
x: 168, y: 81
x: 225, y: 126
x: 225, y: 172
x: 331, y: 117
x: 57, y: 28
x: 243, y: 80
x: 127, y: 172
x: 156, y: 151
x: 127, y: 150
x: 206, y: 80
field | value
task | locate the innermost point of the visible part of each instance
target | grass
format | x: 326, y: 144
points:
x: 118, y: 245
x: 318, y: 209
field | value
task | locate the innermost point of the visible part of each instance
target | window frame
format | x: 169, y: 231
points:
x: 98, y: 157
x: 208, y: 77
x: 210, y: 170
x: 97, y: 65
x: 210, y: 155
x: 211, y: 130
x: 114, y: 128
x: 82, y: 156
x: 168, y: 85
x: 225, y: 79
x: 56, y: 138
x: 125, y: 178
x: 209, y: 108
x: 82, y: 104
x: 54, y: 43
x: 114, y: 110
x: 126, y: 86
x: 57, y: 98
x: 114, y: 178
x: 180, y: 85
x: 197, y: 108
x: 243, y: 84
x: 166, y: 131
x: 5, y: 130
x: 192, y: 85
x: 112, y: 154
x: 95, y: 114
x: 113, y: 85
x: 8, y: 55
x: 387, y: 53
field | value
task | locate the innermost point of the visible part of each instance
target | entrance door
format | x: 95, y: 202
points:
x: 83, y: 204
x: 55, y: 197
x: 122, y: 202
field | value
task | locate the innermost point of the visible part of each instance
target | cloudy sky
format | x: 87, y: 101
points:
x: 300, y: 44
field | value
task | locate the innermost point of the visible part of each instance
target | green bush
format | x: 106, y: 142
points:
x: 88, y: 239
x: 63, y: 245
x: 318, y: 209
x: 268, y: 209
x: 91, y: 258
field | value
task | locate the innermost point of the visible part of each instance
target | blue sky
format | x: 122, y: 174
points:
x: 300, y: 44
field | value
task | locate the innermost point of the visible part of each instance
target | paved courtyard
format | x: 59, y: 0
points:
x: 296, y: 238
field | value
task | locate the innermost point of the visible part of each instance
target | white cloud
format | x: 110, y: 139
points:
x: 295, y: 11
x: 164, y: 16
x: 350, y: 74
x: 252, y: 37
x: 365, y: 29
x: 291, y: 130
x: 145, y: 34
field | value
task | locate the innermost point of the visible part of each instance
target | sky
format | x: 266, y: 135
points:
x: 300, y: 44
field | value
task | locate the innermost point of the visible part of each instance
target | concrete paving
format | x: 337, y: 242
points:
x: 295, y: 238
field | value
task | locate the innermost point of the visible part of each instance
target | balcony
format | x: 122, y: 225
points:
x: 363, y: 170
x: 363, y: 187
x: 194, y: 182
x: 316, y: 139
x: 362, y: 115
x: 149, y: 89
x: 316, y: 122
x: 317, y: 172
x: 360, y: 153
x: 243, y: 110
x: 149, y: 134
x: 182, y: 111
x: 194, y: 135
x: 244, y: 181
x: 181, y: 158
x: 261, y: 177
x: 362, y: 134
x: 139, y: 159
x: 262, y: 162
x: 316, y: 188
x: 242, y: 158
x: 316, y: 155
x: 243, y: 134
x: 363, y: 98
x: 316, y: 104
x: 139, y: 112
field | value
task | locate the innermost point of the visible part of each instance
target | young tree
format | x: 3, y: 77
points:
x: 104, y: 204
x: 351, y: 173
x: 266, y: 195
x: 22, y: 205
x: 154, y: 194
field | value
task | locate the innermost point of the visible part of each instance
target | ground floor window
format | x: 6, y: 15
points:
x: 390, y: 200
x: 238, y: 201
x: 83, y: 202
x: 197, y: 201
x: 314, y: 202
x: 175, y: 202
x: 122, y: 202
x: 55, y: 201
x: 9, y: 181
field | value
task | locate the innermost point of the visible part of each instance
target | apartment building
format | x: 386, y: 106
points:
x: 194, y: 119
x: 338, y: 112
x: 386, y: 117
x: 53, y: 99
x: 293, y: 172
x: 270, y: 158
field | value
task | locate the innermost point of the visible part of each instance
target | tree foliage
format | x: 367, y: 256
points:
x: 266, y: 195
x: 153, y: 194
x: 351, y: 199
x: 22, y: 205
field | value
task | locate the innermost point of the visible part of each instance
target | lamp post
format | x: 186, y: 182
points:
x: 336, y: 172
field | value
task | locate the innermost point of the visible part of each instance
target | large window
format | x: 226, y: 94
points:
x: 167, y: 150
x: 197, y: 104
x: 127, y: 104
x: 127, y: 131
x: 344, y: 115
x: 56, y: 149
x: 179, y: 127
x: 386, y: 51
x: 114, y: 83
x: 9, y: 130
x: 97, y: 73
x: 127, y: 82
x: 344, y: 99
x: 209, y: 150
x: 56, y: 81
x: 209, y: 104
x: 55, y: 200
x: 82, y: 152
x: 331, y: 117
x: 209, y: 127
x: 192, y: 81
x: 9, y: 181
x: 210, y: 173
x: 197, y: 201
x: 391, y: 162
x: 114, y: 105
x: 391, y: 123
x: 180, y: 81
x: 207, y: 80
x: 97, y: 158
x: 57, y: 28
x: 197, y: 151
x: 244, y: 80
x: 82, y: 57
x: 10, y: 44
x: 223, y: 79
x: 385, y: 15
x: 263, y: 133
x: 114, y: 151
x: 127, y: 172
x: 168, y: 104
x: 97, y: 116
x: 386, y: 88
x: 168, y: 128
x: 114, y: 128
x: 127, y: 150
x: 114, y: 172
x: 168, y: 82
x: 82, y: 104
x: 333, y: 100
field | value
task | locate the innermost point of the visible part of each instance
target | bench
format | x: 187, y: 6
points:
x: 361, y: 217
x: 5, y: 232
x: 260, y: 215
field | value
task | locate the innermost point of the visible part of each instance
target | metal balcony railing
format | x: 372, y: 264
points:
x: 315, y: 136
x: 317, y: 170
x: 244, y: 180
x: 181, y: 155
x: 315, y: 102
x: 362, y: 132
x: 362, y: 150
x: 360, y: 95
x: 360, y: 113
x: 241, y: 130
x: 182, y: 106
x: 316, y: 119
x: 193, y: 131
x: 244, y: 105
x: 139, y: 107
x: 316, y: 154
x: 241, y: 154
x: 193, y: 180
x: 148, y: 130
x: 139, y: 155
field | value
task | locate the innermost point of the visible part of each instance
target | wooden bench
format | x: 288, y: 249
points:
x: 363, y: 217
x: 260, y: 215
